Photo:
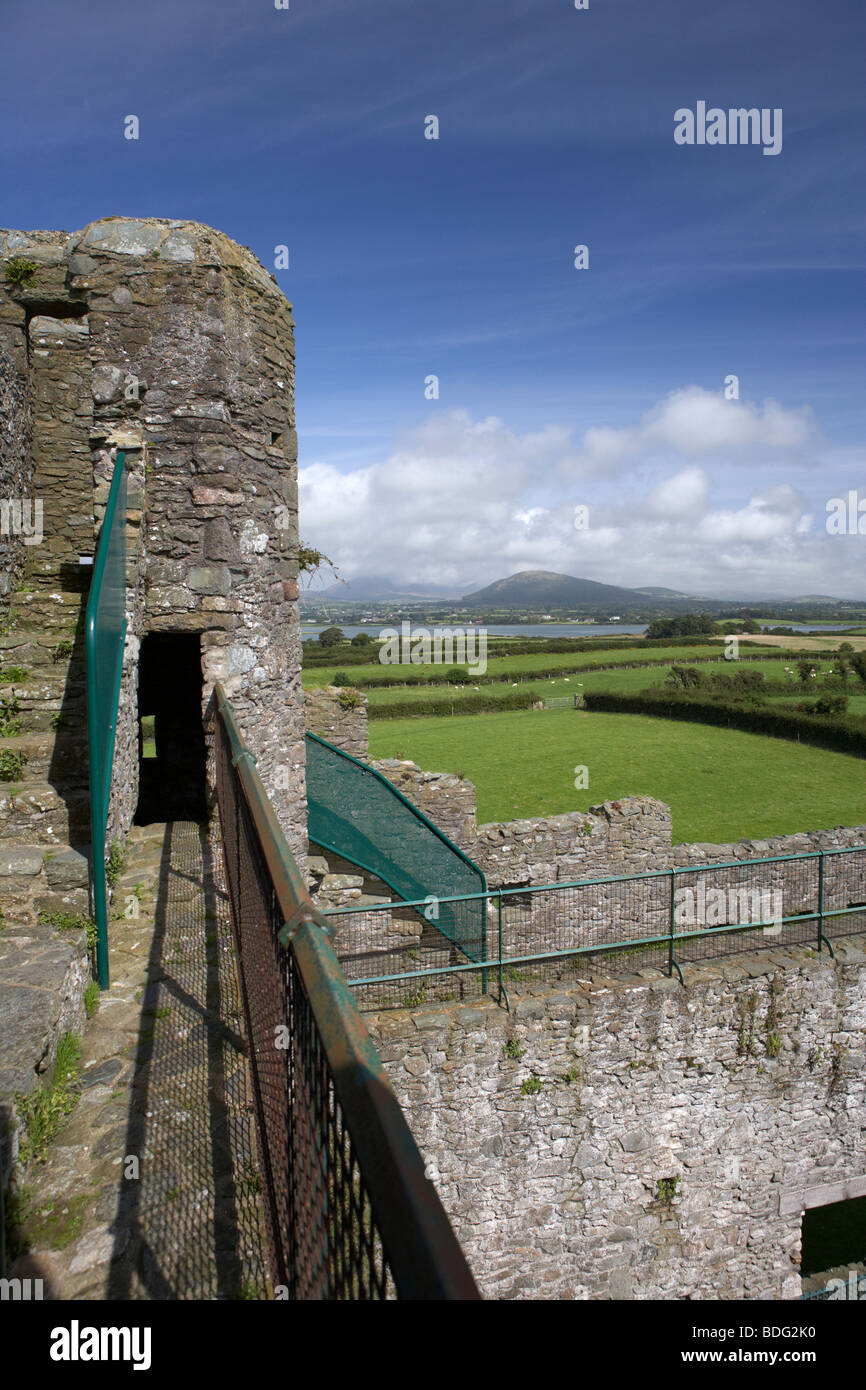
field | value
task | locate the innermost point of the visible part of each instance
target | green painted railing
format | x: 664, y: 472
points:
x: 630, y: 915
x: 357, y: 813
x: 104, y: 636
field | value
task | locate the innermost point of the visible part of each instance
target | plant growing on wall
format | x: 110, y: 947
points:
x: 10, y: 674
x: 11, y: 765
x: 44, y: 1110
x: 10, y: 722
x: 115, y: 863
x: 310, y: 561
x: 20, y: 272
x: 667, y: 1189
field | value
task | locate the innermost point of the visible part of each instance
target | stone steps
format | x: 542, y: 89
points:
x: 34, y: 813
x: 37, y: 878
x: 43, y: 974
x: 49, y: 756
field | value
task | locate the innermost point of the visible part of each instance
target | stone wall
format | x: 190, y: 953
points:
x: 15, y: 467
x: 613, y: 841
x: 167, y: 339
x: 344, y: 728
x: 125, y: 772
x: 445, y: 799
x: 629, y: 836
x: 803, y: 842
x: 637, y: 1139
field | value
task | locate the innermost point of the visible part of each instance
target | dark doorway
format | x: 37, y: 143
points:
x: 834, y: 1235
x: 171, y: 743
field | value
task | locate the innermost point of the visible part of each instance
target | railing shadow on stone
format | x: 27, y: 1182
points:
x: 187, y: 1227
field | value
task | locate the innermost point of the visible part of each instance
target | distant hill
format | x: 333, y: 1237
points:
x: 655, y: 592
x: 537, y: 589
x: 375, y: 588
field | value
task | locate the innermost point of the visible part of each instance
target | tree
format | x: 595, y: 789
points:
x: 331, y: 637
x: 361, y: 639
x: 858, y: 663
x: 805, y: 668
x: 686, y: 677
x: 687, y: 625
x: 831, y: 704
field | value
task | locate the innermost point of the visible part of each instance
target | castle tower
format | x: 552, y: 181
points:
x: 168, y: 341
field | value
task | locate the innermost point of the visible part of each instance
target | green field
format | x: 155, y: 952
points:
x: 541, y: 663
x: 721, y: 784
x: 856, y: 703
x: 530, y: 662
x: 627, y: 681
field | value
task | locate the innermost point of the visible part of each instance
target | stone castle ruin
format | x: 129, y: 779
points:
x: 168, y: 341
x: 607, y: 1138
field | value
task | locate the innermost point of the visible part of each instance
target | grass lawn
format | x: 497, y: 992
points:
x: 530, y: 662
x: 721, y: 784
x: 628, y: 680
x: 828, y: 644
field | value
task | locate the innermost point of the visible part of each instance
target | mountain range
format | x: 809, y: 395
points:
x: 535, y: 590
x: 546, y: 589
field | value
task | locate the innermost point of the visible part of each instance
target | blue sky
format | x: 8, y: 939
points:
x: 453, y: 257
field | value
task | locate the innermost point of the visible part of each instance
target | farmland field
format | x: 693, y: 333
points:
x: 721, y: 784
x: 626, y: 681
x: 531, y: 663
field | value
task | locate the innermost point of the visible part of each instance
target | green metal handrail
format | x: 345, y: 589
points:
x: 421, y: 1248
x: 104, y: 637
x: 675, y: 934
x: 428, y: 863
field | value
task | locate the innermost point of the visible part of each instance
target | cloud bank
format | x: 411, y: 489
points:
x: 704, y: 494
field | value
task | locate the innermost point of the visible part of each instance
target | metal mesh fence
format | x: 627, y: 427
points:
x: 660, y: 920
x: 323, y: 1240
x: 264, y: 978
x: 349, y: 1212
x: 356, y: 813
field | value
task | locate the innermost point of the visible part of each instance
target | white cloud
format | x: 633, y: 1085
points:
x: 693, y: 423
x: 682, y: 495
x: 461, y: 502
